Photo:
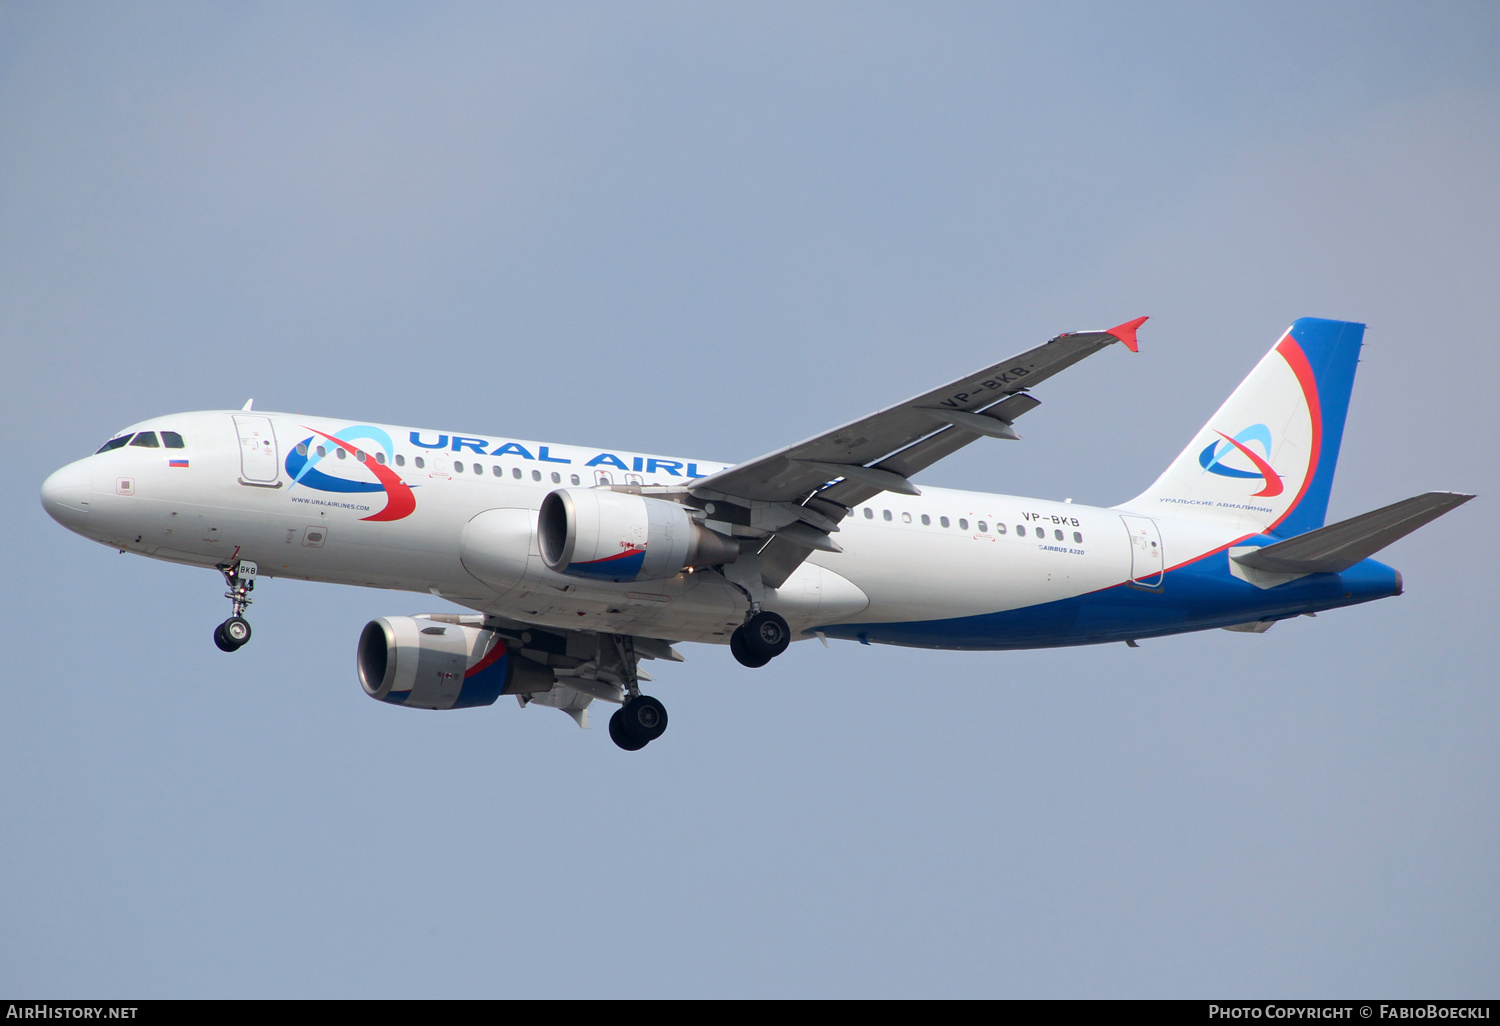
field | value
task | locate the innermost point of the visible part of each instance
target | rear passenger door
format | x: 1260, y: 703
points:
x: 1147, y: 561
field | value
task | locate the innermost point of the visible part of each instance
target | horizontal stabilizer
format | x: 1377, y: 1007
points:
x: 1337, y: 547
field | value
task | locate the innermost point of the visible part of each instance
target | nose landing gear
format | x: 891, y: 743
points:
x: 235, y: 631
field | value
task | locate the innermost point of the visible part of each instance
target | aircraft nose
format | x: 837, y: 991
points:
x: 67, y: 493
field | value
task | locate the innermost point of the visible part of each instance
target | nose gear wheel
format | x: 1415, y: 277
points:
x: 232, y: 633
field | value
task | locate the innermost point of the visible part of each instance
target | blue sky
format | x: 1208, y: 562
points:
x: 713, y: 230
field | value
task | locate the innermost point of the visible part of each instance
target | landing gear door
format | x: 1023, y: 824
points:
x: 260, y: 463
x: 1147, y: 562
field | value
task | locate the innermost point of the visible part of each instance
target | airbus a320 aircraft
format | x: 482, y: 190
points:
x: 581, y: 562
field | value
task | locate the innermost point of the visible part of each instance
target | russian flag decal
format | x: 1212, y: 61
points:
x: 177, y: 463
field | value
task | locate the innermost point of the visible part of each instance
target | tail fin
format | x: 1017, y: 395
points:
x: 1264, y: 462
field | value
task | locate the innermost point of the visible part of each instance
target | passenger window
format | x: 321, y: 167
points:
x: 963, y: 525
x: 301, y: 448
x: 341, y: 453
x: 1057, y: 535
x: 984, y: 528
x: 172, y: 440
x: 999, y: 528
x: 400, y: 460
x: 886, y: 514
x: 458, y: 467
x: 478, y: 470
x: 869, y: 513
x: 906, y: 518
x: 380, y: 458
x: 1020, y: 530
x: 926, y: 520
x: 556, y: 477
x: 573, y: 478
x: 536, y: 475
x: 943, y: 521
x: 1077, y: 538
x: 360, y: 455
x: 421, y: 463
x: 112, y: 444
x: 322, y: 451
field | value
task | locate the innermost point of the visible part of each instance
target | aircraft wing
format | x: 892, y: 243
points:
x: 812, y: 485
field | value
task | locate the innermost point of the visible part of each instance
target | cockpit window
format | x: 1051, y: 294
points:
x: 113, y: 443
x: 172, y: 440
x: 147, y: 440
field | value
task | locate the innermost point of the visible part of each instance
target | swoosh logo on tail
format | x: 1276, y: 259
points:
x: 1273, y: 479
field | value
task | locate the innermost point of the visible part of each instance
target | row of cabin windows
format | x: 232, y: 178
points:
x: 421, y: 464
x: 982, y: 526
x: 146, y: 440
x: 515, y: 472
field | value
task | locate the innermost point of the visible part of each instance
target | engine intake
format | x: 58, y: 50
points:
x: 616, y: 536
x: 425, y: 664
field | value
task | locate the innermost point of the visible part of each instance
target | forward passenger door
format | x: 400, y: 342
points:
x: 260, y: 462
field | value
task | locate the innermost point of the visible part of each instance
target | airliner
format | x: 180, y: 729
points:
x: 579, y: 563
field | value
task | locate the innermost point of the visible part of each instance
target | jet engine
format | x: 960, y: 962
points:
x: 429, y: 664
x: 616, y: 536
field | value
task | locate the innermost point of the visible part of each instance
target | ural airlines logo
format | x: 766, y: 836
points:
x: 302, y: 462
x: 1209, y: 459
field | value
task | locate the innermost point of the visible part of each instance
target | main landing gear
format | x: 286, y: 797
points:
x: 637, y: 723
x: 761, y: 638
x: 235, y: 631
x: 642, y: 719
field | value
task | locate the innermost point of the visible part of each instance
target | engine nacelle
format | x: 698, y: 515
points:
x: 427, y: 664
x: 616, y: 536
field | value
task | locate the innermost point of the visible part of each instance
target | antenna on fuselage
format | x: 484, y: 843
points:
x: 248, y: 404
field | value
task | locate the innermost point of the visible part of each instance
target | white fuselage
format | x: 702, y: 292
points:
x: 943, y: 554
